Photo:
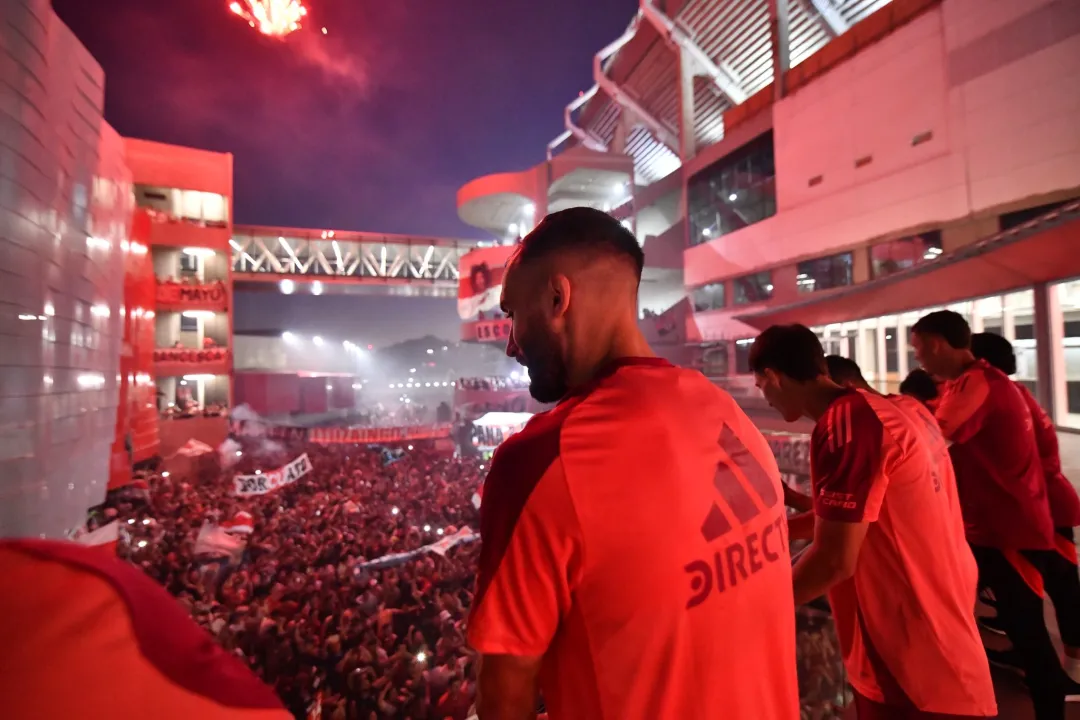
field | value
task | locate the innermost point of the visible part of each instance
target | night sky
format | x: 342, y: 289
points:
x: 373, y: 126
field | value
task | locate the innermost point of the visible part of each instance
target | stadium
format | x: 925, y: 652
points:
x: 849, y: 165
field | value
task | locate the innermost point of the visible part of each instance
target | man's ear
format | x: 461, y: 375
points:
x: 560, y: 295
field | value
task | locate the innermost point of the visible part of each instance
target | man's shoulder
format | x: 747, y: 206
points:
x: 852, y: 417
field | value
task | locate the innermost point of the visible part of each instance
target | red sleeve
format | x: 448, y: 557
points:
x: 846, y: 461
x: 531, y: 545
x: 963, y: 407
x: 524, y: 591
x: 1045, y: 433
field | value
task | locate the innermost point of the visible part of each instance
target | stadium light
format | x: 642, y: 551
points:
x: 287, y: 286
x: 427, y: 528
x: 530, y: 209
x: 316, y: 288
x: 410, y: 447
x: 430, y: 351
x: 258, y: 472
x: 288, y: 337
x: 317, y: 340
x: 513, y: 228
x: 412, y: 370
x: 733, y: 197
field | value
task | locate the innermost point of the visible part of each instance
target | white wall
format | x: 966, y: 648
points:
x: 64, y: 179
x: 996, y: 83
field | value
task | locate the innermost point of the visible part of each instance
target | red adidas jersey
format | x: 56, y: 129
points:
x: 904, y: 619
x: 635, y: 537
x: 1064, y: 503
x: 88, y: 635
x: 998, y: 471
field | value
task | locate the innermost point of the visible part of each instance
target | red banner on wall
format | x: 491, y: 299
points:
x: 211, y: 296
x: 493, y: 331
x: 359, y: 436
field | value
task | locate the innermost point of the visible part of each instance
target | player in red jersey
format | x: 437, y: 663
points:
x: 1061, y: 579
x: 888, y: 547
x: 635, y: 561
x: 1002, y: 494
x: 85, y: 635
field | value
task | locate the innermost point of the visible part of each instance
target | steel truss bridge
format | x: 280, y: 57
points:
x: 318, y: 261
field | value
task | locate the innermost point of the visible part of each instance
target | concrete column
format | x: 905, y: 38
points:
x: 1049, y: 329
x: 781, y: 47
x: 687, y: 138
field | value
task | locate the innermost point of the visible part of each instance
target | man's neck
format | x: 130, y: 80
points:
x: 963, y: 360
x: 622, y: 345
x: 820, y: 395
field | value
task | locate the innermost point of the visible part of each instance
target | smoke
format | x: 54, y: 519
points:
x: 332, y: 60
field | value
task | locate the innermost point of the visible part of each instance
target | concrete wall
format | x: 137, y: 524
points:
x: 969, y: 109
x: 66, y: 210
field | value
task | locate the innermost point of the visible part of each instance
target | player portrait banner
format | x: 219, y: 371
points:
x: 480, y: 277
x: 248, y: 485
x: 363, y: 436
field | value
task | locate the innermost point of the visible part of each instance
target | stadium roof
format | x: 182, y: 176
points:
x: 731, y: 37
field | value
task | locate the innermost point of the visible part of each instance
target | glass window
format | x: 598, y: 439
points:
x: 892, y: 354
x: 742, y: 356
x: 753, y: 288
x: 895, y: 255
x: 824, y: 273
x: 708, y: 297
x: 189, y: 324
x: 734, y: 192
x: 714, y: 360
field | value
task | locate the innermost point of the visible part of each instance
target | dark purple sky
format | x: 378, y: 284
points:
x: 372, y: 127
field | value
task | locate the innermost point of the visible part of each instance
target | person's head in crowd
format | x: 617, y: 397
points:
x: 920, y: 385
x: 846, y: 372
x: 571, y: 293
x: 790, y: 370
x: 942, y: 343
x: 995, y: 350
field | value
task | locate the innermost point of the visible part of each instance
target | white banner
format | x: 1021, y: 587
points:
x: 440, y: 548
x: 213, y: 541
x: 246, y: 485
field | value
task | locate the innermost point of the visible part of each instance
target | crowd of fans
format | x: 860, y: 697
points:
x: 494, y: 383
x: 298, y: 605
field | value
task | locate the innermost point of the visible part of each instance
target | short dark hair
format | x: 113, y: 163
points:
x: 792, y: 350
x: 948, y: 325
x: 843, y: 370
x: 920, y: 385
x: 582, y: 228
x: 996, y: 350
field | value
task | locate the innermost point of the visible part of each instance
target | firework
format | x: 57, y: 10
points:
x: 276, y: 18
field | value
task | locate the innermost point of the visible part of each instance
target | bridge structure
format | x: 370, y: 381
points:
x: 293, y: 260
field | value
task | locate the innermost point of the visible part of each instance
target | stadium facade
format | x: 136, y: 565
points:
x: 843, y: 163
x: 846, y: 164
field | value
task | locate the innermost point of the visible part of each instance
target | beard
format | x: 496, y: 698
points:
x: 547, y: 373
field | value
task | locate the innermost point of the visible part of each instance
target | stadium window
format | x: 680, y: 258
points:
x: 824, y: 273
x: 742, y: 356
x: 189, y: 263
x: 1008, y: 221
x: 714, y: 360
x: 189, y: 324
x: 902, y: 253
x: 892, y: 353
x: 736, y: 191
x: 708, y: 297
x: 753, y: 288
